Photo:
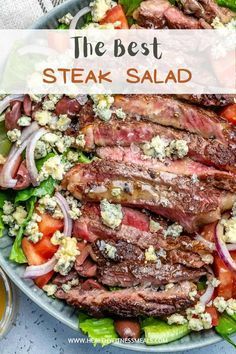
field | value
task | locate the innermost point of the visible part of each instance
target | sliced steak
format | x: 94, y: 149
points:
x: 134, y: 230
x: 150, y: 13
x: 176, y: 19
x: 170, y: 112
x: 169, y: 195
x: 206, y: 9
x: 117, y: 133
x: 130, y: 302
x: 208, y: 100
x: 186, y: 166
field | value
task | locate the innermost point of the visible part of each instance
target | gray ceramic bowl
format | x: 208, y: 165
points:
x: 57, y: 308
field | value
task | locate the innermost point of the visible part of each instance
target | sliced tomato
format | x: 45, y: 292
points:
x: 43, y: 279
x: 48, y: 225
x: 116, y: 14
x: 45, y: 248
x: 233, y: 255
x: 226, y: 277
x: 31, y: 254
x: 229, y: 113
x: 214, y: 315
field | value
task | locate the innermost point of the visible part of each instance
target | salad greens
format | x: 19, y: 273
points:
x: 226, y: 327
x: 157, y: 331
x: 3, y: 196
x: 17, y: 254
x: 129, y: 6
x: 5, y: 145
x: 231, y: 4
x: 101, y: 331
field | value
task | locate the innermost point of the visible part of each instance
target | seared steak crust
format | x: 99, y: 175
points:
x: 130, y: 302
x: 169, y: 195
x: 208, y: 100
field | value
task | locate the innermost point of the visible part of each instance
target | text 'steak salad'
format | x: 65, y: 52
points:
x: 125, y: 206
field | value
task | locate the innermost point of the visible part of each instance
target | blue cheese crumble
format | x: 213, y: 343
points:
x: 99, y: 8
x: 102, y: 106
x: 111, y: 214
x: 66, y: 255
x: 32, y: 229
x: 161, y: 148
x: 53, y: 167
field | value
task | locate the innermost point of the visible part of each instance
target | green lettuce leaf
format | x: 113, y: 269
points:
x: 45, y: 187
x: 17, y: 254
x: 3, y: 197
x: 100, y: 331
x: 158, y: 332
x: 130, y: 5
x: 1, y: 225
x: 231, y: 4
x: 226, y: 327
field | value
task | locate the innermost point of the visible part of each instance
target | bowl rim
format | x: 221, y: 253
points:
x: 39, y: 24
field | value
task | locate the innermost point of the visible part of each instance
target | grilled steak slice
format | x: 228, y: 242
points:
x: 150, y: 13
x: 134, y: 229
x: 123, y: 264
x: 176, y: 19
x: 187, y: 167
x: 116, y: 133
x: 130, y: 302
x: 169, y: 195
x: 208, y: 100
x: 206, y: 9
x: 170, y: 112
x: 160, y: 14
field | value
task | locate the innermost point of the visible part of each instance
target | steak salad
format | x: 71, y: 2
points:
x: 124, y: 206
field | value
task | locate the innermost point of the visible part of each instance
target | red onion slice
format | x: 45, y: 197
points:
x: 6, y: 179
x: 79, y: 14
x: 211, y: 246
x: 35, y: 271
x: 6, y: 101
x: 62, y: 202
x: 207, y: 296
x: 30, y: 159
x: 222, y: 248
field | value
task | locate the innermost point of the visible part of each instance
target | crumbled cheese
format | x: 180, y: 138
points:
x: 177, y: 148
x: 48, y: 105
x: 49, y: 205
x: 195, y: 324
x: 41, y: 150
x: 66, y: 19
x: 14, y: 135
x: 99, y: 9
x: 115, y: 192
x: 24, y: 121
x: 154, y: 226
x: 164, y: 202
x: 174, y: 230
x: 230, y: 229
x: 161, y: 148
x: 43, y: 117
x: 102, y: 105
x: 8, y: 207
x: 72, y: 156
x: 156, y: 148
x: 50, y: 138
x: 231, y: 307
x: 50, y: 289
x: 234, y: 210
x: 66, y: 255
x: 120, y: 113
x: 53, y: 167
x: 32, y: 229
x: 2, y: 159
x: 111, y: 214
x: 220, y: 303
x: 36, y: 98
x: 62, y: 123
x: 192, y: 294
x: 194, y: 178
x: 207, y: 258
x: 66, y: 287
x: 57, y: 237
x: 150, y: 254
x: 108, y: 249
x: 176, y: 318
x: 19, y: 214
x: 217, y: 24
x: 80, y: 141
x: 74, y: 205
x: 213, y: 282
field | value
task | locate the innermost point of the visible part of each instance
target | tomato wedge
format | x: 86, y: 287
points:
x: 214, y: 315
x: 45, y: 248
x: 48, y: 225
x: 229, y: 113
x: 31, y: 254
x: 226, y: 277
x: 116, y: 14
x: 43, y: 279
